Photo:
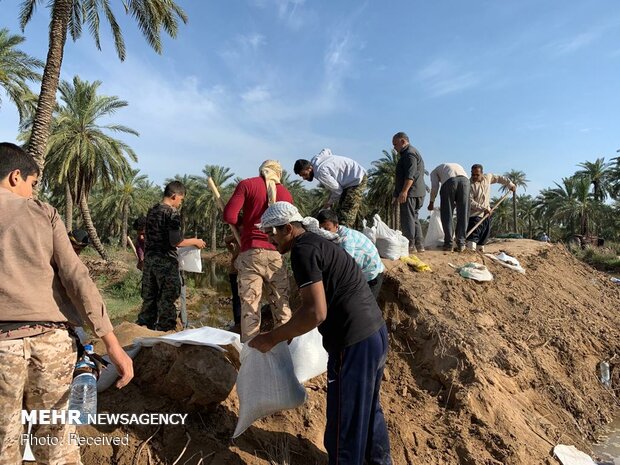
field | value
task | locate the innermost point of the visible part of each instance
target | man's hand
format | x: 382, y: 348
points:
x: 487, y: 211
x: 140, y: 265
x: 431, y: 206
x: 119, y: 358
x: 262, y: 342
x: 199, y: 243
x: 402, y: 197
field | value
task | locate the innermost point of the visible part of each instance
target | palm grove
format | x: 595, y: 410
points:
x: 89, y: 173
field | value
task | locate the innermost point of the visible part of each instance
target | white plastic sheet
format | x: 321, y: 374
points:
x: 266, y: 384
x: 206, y: 336
x: 475, y: 271
x: 507, y: 261
x: 189, y: 259
x: 434, y: 233
x: 570, y: 455
x: 308, y: 355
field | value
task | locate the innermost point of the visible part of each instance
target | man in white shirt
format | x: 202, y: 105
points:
x: 343, y: 177
x: 454, y: 193
x: 480, y: 204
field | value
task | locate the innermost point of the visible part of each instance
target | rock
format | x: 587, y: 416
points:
x: 190, y: 374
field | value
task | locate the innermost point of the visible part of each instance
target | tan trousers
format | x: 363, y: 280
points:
x: 35, y: 374
x: 256, y: 266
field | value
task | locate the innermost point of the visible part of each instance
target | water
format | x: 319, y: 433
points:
x: 608, y: 448
x: 83, y: 396
x: 214, y: 307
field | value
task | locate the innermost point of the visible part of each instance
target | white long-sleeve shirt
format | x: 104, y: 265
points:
x: 442, y: 173
x: 336, y: 173
x: 480, y: 192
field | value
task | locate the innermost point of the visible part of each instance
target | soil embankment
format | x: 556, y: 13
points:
x: 478, y: 373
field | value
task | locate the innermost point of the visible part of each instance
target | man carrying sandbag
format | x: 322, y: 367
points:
x: 337, y: 299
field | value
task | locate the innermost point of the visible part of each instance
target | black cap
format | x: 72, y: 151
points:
x: 79, y: 237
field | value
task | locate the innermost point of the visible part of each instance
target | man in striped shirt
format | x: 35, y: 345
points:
x: 359, y: 247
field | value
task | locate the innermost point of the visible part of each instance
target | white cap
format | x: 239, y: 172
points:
x: 279, y: 214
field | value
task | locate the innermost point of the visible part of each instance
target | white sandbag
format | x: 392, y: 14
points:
x: 404, y: 245
x: 434, y: 233
x: 110, y: 374
x: 308, y: 355
x: 189, y: 259
x: 205, y: 336
x: 266, y: 384
x: 388, y: 241
x: 507, y: 261
x: 570, y: 455
x: 370, y: 233
x: 475, y: 271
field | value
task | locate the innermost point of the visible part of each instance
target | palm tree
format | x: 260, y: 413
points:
x: 614, y: 178
x: 125, y: 198
x: 381, y: 184
x: 301, y: 195
x: 527, y: 212
x: 518, y: 178
x: 152, y: 17
x: 205, y: 201
x: 16, y: 69
x: 598, y: 173
x: 572, y: 203
x: 80, y: 150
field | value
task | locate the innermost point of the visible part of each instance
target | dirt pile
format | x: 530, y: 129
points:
x: 478, y: 373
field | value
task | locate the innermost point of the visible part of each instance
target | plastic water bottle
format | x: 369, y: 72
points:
x: 604, y: 373
x: 83, y: 397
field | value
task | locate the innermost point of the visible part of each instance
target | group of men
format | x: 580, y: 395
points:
x: 470, y: 197
x: 337, y: 270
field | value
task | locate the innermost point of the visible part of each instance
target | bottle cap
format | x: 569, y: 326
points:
x: 88, y: 348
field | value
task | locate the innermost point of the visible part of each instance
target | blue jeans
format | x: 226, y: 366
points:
x: 356, y: 432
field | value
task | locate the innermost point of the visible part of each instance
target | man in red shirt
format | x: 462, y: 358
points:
x: 259, y: 261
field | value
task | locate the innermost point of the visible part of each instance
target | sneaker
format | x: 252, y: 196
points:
x: 460, y: 248
x: 413, y: 250
x: 471, y: 245
x: 420, y: 248
x: 447, y: 248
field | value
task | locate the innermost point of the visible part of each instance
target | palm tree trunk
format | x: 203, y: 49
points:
x: 214, y: 230
x: 125, y: 225
x: 61, y: 12
x: 90, y: 228
x: 68, y: 208
x: 514, y: 211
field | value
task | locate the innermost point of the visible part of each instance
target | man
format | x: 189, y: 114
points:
x: 480, y: 205
x: 359, y: 247
x: 258, y: 261
x: 344, y: 178
x: 337, y: 299
x: 37, y: 352
x: 409, y: 190
x: 454, y: 193
x: 161, y: 280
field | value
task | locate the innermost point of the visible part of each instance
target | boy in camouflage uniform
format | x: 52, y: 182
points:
x: 37, y: 353
x: 161, y: 282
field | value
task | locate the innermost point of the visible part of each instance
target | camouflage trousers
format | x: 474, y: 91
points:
x: 256, y: 266
x: 161, y: 287
x: 349, y: 204
x: 35, y: 374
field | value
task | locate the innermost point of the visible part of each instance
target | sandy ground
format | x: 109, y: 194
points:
x: 478, y: 373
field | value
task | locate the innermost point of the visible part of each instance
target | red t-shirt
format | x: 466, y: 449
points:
x: 251, y: 197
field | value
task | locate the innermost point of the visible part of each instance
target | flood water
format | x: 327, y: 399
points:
x: 608, y: 449
x: 214, y: 307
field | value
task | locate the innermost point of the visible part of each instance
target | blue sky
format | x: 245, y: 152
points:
x: 525, y: 84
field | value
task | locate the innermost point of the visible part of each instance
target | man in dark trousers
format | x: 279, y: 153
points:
x: 161, y: 281
x: 337, y: 299
x: 409, y: 190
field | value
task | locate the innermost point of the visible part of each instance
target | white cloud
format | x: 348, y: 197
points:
x: 442, y: 77
x: 573, y: 44
x: 256, y: 94
x: 291, y: 12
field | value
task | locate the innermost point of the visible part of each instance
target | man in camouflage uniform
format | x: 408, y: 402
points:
x: 37, y: 352
x: 344, y: 178
x: 161, y: 282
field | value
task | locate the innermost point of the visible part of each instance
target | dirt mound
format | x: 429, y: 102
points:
x: 111, y: 271
x: 478, y: 373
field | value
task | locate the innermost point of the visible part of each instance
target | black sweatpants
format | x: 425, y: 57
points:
x: 356, y: 432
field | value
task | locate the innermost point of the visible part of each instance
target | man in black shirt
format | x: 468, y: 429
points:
x: 161, y: 282
x: 337, y: 299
